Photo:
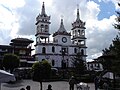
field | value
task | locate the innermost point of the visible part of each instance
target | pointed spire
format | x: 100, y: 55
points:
x: 43, y: 10
x: 62, y: 28
x: 78, y: 16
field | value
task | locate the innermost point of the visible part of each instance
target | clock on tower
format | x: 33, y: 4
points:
x: 64, y: 39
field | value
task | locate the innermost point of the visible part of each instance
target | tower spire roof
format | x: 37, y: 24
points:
x: 78, y: 15
x: 43, y: 10
x: 62, y: 28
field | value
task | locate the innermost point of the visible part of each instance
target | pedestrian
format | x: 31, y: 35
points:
x: 72, y: 81
x: 96, y: 82
x: 28, y: 87
x: 49, y: 87
x: 22, y: 89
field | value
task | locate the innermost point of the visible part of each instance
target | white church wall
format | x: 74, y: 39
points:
x: 59, y: 39
x: 71, y: 50
x: 59, y: 42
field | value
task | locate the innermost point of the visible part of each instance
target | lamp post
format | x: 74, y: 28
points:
x: 63, y: 60
x: 63, y: 63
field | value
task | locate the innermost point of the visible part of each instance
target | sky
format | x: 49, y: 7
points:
x: 18, y: 18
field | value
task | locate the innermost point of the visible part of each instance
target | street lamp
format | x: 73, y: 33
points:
x: 63, y: 52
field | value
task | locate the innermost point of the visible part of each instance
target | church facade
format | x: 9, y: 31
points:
x: 64, y: 46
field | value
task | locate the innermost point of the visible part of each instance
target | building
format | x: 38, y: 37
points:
x: 22, y: 48
x: 94, y: 66
x: 64, y: 46
x: 3, y: 50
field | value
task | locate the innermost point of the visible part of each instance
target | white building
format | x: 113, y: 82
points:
x: 94, y: 66
x: 64, y: 46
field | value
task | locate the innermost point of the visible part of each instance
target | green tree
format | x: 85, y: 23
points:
x: 41, y: 71
x: 112, y: 60
x: 10, y: 62
x: 79, y: 66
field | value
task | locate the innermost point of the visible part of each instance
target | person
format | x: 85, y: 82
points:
x: 72, y: 82
x: 28, y: 87
x: 49, y: 87
x: 96, y: 81
x: 22, y: 89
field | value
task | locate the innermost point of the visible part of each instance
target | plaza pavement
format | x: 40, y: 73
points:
x: 58, y: 85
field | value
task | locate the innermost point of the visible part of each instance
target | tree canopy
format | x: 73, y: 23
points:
x: 41, y: 71
x: 112, y: 61
x: 78, y: 64
x: 10, y: 61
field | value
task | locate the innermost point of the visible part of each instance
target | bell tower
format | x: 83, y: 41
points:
x: 42, y: 27
x: 78, y: 36
x: 78, y: 31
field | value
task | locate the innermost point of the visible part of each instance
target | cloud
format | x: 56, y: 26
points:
x: 100, y: 36
x: 18, y: 18
x: 27, y: 16
x: 7, y: 20
x: 99, y: 33
x: 12, y: 4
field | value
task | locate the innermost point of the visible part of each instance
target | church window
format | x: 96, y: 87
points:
x: 75, y: 32
x: 53, y: 62
x: 42, y: 26
x: 78, y: 32
x: 82, y: 52
x: 82, y: 42
x: 82, y: 32
x: 37, y: 27
x: 46, y: 26
x: 53, y: 49
x: 75, y: 50
x: 44, y: 50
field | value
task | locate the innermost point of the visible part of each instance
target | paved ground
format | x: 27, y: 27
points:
x: 59, y: 85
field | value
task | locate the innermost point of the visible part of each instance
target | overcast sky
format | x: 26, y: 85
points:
x: 18, y: 17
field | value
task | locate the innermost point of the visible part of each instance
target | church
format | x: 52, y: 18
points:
x: 64, y: 46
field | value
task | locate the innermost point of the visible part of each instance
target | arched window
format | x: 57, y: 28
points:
x: 78, y: 32
x: 42, y: 26
x: 53, y: 62
x: 82, y: 32
x: 44, y: 50
x: 75, y: 50
x: 46, y: 26
x: 82, y: 52
x: 53, y: 49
